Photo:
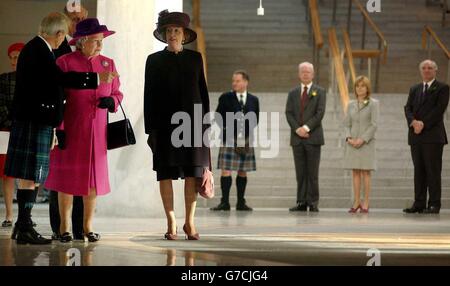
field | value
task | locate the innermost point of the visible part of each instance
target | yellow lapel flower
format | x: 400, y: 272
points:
x: 314, y: 93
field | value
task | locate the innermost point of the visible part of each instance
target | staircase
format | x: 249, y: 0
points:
x: 273, y: 185
x: 270, y: 47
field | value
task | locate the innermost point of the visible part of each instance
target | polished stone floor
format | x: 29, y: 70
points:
x: 265, y: 237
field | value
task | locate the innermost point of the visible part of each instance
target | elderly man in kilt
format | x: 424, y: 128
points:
x: 236, y: 154
x: 37, y: 109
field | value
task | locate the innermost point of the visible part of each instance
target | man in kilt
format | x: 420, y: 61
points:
x: 236, y: 153
x: 37, y: 109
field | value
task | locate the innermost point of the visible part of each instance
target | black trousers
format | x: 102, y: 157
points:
x: 307, y: 162
x: 427, y: 160
x: 77, y: 214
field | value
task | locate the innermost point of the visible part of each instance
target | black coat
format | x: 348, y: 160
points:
x: 63, y: 49
x: 431, y: 112
x: 174, y: 83
x: 228, y: 102
x: 39, y: 93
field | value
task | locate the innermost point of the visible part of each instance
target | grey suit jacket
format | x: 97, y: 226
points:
x: 314, y: 113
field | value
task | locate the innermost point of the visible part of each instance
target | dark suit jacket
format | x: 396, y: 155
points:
x: 431, y: 112
x: 39, y: 91
x: 314, y: 113
x: 228, y: 102
x: 63, y: 49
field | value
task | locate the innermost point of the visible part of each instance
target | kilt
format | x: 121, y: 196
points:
x: 29, y: 151
x: 231, y: 161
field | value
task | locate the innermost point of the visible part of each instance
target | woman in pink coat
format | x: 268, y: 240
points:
x: 80, y: 167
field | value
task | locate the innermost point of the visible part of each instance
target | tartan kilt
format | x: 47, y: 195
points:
x: 29, y: 151
x: 231, y: 161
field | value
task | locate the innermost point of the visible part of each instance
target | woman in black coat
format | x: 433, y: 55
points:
x: 175, y: 85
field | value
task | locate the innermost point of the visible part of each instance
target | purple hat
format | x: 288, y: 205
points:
x: 179, y: 19
x: 88, y: 27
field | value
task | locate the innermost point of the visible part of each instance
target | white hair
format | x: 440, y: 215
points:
x: 306, y: 65
x: 80, y: 42
x: 53, y: 23
x: 432, y: 63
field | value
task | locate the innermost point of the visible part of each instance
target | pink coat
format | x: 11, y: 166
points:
x: 85, y: 127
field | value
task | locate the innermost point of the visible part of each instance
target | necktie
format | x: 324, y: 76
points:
x: 303, y: 101
x: 423, y: 94
x: 241, y: 101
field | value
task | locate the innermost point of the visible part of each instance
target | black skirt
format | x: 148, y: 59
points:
x: 178, y: 172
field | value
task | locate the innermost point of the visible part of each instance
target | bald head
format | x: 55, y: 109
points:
x: 428, y: 70
x: 306, y: 72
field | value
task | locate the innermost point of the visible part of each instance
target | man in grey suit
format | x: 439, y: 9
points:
x: 305, y: 109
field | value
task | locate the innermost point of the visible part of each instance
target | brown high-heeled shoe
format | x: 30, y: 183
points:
x: 195, y: 236
x: 171, y: 236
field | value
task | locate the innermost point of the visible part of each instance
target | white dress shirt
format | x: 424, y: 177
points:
x: 244, y: 96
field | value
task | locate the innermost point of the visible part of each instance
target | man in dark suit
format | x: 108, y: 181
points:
x: 236, y: 153
x: 38, y: 107
x: 424, y: 111
x: 305, y: 110
x: 77, y: 212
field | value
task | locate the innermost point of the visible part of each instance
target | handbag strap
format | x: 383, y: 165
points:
x: 123, y: 112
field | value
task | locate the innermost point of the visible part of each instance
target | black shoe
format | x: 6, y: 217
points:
x: 243, y: 207
x: 221, y: 207
x: 313, y: 209
x: 7, y: 223
x: 66, y: 237
x: 300, y: 207
x: 93, y: 237
x: 14, y: 232
x: 432, y: 210
x: 413, y: 210
x: 56, y: 236
x: 31, y: 236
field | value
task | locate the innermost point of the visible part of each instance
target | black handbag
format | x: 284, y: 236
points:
x: 120, y: 133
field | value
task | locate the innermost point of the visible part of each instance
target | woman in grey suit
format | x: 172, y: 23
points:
x: 360, y: 127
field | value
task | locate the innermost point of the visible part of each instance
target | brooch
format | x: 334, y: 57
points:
x: 105, y: 63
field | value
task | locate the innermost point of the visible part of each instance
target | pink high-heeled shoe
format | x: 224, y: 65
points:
x: 354, y: 210
x: 364, y: 211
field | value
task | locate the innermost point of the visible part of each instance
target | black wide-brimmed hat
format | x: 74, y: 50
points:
x: 178, y: 19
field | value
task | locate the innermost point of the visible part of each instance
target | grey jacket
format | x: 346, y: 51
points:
x: 362, y: 123
x: 314, y: 113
